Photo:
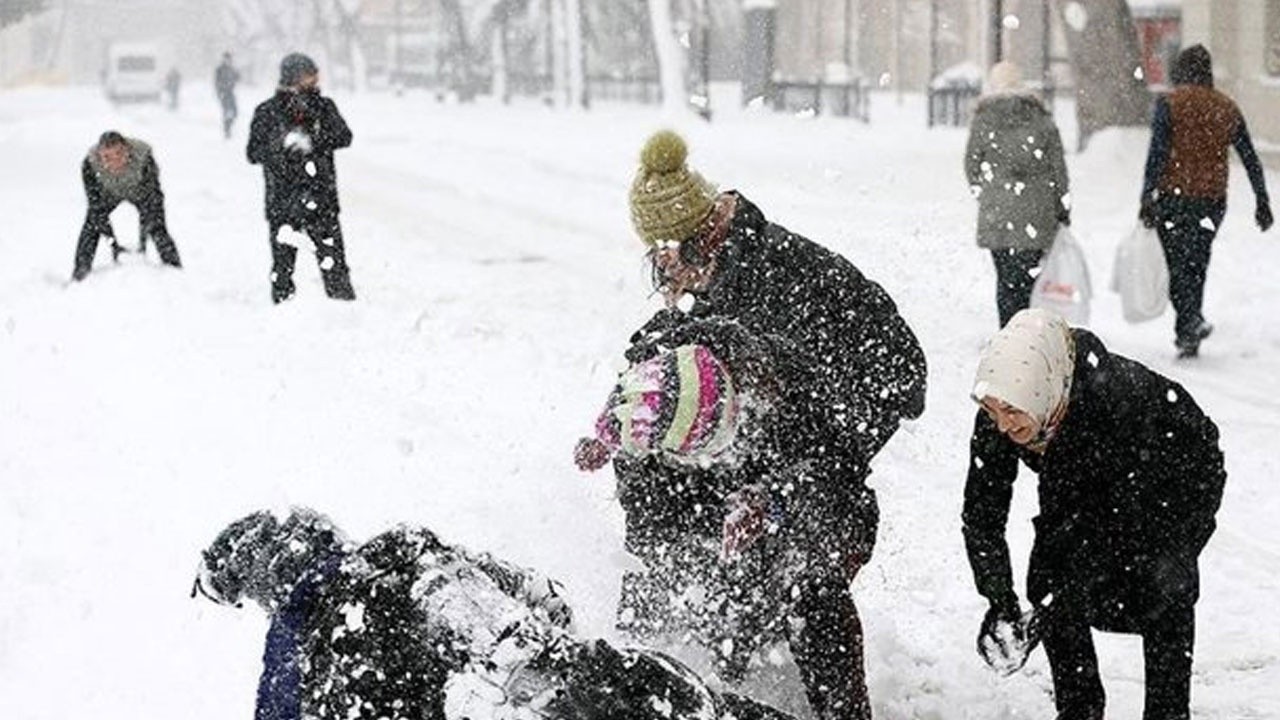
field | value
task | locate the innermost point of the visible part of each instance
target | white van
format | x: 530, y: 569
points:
x: 133, y: 72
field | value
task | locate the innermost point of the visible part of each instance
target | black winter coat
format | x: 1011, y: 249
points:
x: 776, y: 282
x: 794, y: 442
x: 1128, y: 491
x: 796, y: 445
x: 300, y: 185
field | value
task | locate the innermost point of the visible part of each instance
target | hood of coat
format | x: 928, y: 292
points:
x: 263, y: 556
x: 1013, y: 109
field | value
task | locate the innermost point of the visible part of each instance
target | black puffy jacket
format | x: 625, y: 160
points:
x: 1128, y: 491
x: 299, y: 184
x: 776, y: 282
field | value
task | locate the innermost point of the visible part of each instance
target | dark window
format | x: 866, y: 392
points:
x: 136, y: 63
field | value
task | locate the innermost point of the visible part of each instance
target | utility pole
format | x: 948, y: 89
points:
x: 997, y: 31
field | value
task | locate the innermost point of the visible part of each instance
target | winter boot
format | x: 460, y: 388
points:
x: 1189, y: 346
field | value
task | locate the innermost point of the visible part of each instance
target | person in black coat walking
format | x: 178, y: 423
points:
x: 293, y: 136
x: 225, y: 78
x: 1130, y: 478
x: 742, y: 486
x: 407, y: 626
x: 119, y: 169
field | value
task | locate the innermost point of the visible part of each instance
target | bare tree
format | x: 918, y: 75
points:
x: 1103, y: 43
x: 672, y: 58
x: 11, y: 11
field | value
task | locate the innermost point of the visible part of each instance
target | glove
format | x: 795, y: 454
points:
x: 1002, y: 640
x: 1263, y: 215
x: 1147, y: 214
x: 591, y: 454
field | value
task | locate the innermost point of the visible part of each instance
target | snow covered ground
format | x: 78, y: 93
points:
x: 143, y: 409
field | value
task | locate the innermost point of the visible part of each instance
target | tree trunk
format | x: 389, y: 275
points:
x: 671, y: 57
x: 1103, y: 43
x: 577, y: 82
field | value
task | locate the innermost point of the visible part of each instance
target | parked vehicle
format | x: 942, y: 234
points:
x: 133, y: 72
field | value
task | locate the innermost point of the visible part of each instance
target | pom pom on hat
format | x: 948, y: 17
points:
x: 664, y: 152
x: 669, y: 202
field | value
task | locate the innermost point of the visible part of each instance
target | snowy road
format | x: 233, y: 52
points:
x: 498, y: 279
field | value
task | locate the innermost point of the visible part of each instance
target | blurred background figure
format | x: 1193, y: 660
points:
x: 1014, y: 165
x: 172, y: 85
x: 224, y: 82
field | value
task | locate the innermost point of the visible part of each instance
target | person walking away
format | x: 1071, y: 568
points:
x: 1130, y: 478
x: 225, y: 78
x: 1015, y: 168
x: 119, y: 169
x: 292, y: 136
x: 1184, y: 190
x: 172, y: 85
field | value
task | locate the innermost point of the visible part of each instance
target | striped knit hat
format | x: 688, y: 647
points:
x: 681, y: 401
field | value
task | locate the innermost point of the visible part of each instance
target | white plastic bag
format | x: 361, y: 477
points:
x: 1141, y: 275
x: 1063, y: 283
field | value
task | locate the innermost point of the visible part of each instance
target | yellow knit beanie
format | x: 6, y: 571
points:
x: 669, y: 201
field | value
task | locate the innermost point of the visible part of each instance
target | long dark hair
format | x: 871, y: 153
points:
x: 1194, y: 66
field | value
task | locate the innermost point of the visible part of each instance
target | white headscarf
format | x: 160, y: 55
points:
x: 1028, y: 364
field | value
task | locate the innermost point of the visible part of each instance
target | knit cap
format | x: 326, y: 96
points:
x: 681, y: 401
x: 1029, y: 365
x: 669, y: 202
x: 294, y: 67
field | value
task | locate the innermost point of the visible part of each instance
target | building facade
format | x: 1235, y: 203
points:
x: 1244, y: 37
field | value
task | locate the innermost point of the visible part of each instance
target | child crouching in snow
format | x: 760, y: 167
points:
x: 407, y: 627
x: 745, y: 502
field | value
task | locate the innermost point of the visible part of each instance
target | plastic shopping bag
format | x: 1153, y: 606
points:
x: 1141, y: 275
x: 1063, y: 283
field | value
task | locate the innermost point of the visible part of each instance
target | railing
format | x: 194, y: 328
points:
x: 952, y: 104
x: 645, y: 90
x: 844, y: 99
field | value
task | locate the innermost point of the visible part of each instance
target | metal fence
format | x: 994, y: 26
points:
x: 843, y: 99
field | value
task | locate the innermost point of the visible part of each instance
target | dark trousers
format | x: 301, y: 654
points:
x: 1186, y: 227
x: 1167, y: 647
x: 1014, y: 279
x: 229, y: 112
x: 150, y: 220
x: 325, y: 233
x: 828, y: 648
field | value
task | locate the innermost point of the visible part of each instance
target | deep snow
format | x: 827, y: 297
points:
x: 142, y: 410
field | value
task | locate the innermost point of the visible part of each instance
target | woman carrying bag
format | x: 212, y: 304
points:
x: 1015, y: 168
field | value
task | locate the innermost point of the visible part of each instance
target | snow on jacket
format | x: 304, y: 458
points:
x: 1014, y: 163
x: 775, y: 282
x: 1128, y: 490
x: 382, y: 630
x: 793, y: 442
x: 293, y: 136
x: 1191, y: 130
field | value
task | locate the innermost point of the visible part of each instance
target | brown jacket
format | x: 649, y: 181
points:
x: 1204, y: 123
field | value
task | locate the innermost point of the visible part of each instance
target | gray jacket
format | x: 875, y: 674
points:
x: 1014, y: 163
